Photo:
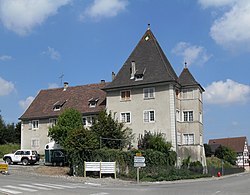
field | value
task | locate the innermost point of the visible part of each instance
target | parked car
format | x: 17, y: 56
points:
x: 22, y: 156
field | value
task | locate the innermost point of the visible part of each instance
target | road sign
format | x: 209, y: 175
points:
x: 139, y: 159
x: 4, y: 167
x: 139, y: 164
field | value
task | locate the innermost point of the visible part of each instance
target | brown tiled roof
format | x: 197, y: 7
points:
x: 235, y: 143
x: 149, y: 60
x: 77, y: 97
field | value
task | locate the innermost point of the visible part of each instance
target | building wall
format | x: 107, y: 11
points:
x: 137, y: 105
x: 37, y: 138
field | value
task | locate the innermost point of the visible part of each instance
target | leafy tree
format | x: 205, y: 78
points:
x: 9, y: 133
x: 208, y: 150
x: 68, y: 121
x: 111, y: 133
x: 157, y: 142
x: 154, y: 141
x: 226, y: 154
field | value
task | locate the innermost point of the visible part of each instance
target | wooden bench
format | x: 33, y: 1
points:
x: 102, y: 167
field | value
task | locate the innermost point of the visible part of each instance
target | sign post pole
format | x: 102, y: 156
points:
x: 138, y: 175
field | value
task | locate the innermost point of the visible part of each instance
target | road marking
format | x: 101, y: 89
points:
x: 60, y: 186
x: 101, y: 193
x: 9, y: 191
x: 48, y: 186
x: 20, y: 188
x: 33, y: 186
x: 92, y: 184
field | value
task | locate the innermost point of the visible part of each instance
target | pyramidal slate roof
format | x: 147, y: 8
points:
x: 77, y: 97
x: 150, y: 62
x: 186, y: 79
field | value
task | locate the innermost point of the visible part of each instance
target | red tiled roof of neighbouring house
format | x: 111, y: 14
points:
x: 235, y: 143
x: 77, y: 97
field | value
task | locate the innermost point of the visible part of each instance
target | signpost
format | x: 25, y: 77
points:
x: 139, y: 161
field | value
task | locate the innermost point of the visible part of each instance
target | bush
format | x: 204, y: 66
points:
x: 8, y: 148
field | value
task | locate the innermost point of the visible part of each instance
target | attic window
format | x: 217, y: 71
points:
x: 93, y: 102
x: 58, y: 105
x: 138, y: 77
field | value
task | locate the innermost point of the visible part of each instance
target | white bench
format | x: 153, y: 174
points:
x: 102, y: 167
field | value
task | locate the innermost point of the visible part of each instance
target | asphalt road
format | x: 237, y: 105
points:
x: 18, y: 183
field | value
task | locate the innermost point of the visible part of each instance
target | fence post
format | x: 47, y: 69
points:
x: 84, y: 168
x: 100, y: 169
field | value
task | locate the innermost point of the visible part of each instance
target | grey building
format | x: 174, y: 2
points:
x: 147, y: 95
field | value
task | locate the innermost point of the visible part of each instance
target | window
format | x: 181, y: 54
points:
x: 35, y: 124
x: 149, y: 116
x: 125, y: 95
x: 188, y: 139
x: 35, y: 143
x: 200, y: 117
x: 52, y: 122
x: 188, y: 116
x: 93, y: 102
x: 125, y: 117
x: 149, y: 93
x: 87, y: 121
x: 177, y: 115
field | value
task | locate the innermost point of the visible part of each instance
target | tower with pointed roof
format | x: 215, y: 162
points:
x: 147, y: 96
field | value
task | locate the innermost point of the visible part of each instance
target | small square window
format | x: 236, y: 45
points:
x: 149, y: 116
x: 125, y: 117
x: 35, y: 124
x: 149, y: 93
x: 188, y: 139
x: 125, y: 95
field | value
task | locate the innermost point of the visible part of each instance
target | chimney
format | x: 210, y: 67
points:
x: 102, y: 81
x: 113, y: 76
x: 65, y: 86
x: 132, y: 70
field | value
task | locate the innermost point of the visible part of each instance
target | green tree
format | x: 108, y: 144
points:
x: 111, y: 133
x: 208, y: 150
x: 154, y: 141
x: 226, y: 154
x: 2, y: 131
x: 157, y: 142
x: 68, y: 121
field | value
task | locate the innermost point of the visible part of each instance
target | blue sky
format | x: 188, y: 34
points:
x: 85, y: 40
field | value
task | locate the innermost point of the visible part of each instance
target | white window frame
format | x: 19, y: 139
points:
x: 178, y: 115
x: 188, y: 117
x: 147, y: 116
x: 148, y: 93
x: 35, y: 124
x: 188, y: 139
x: 52, y: 122
x: 35, y: 143
x: 88, y: 121
x: 125, y: 117
x: 125, y: 98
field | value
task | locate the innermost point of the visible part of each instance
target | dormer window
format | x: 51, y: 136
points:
x: 58, y: 105
x: 93, y: 102
x: 138, y: 77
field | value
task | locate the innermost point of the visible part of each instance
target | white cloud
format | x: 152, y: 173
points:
x: 5, y: 58
x: 216, y: 3
x: 52, y: 53
x: 105, y: 8
x: 228, y: 92
x: 6, y: 87
x: 231, y: 29
x: 24, y: 104
x: 53, y: 85
x: 192, y: 54
x: 21, y: 16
